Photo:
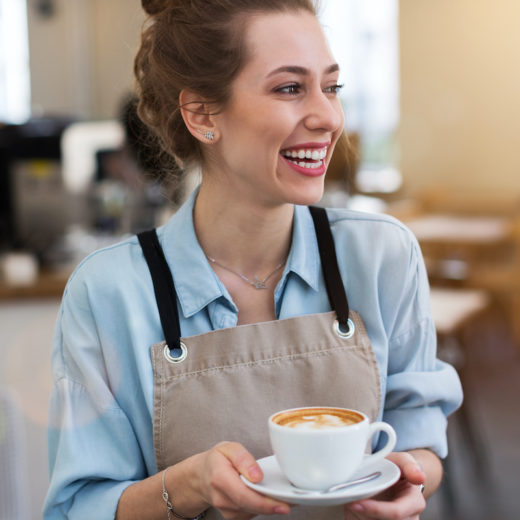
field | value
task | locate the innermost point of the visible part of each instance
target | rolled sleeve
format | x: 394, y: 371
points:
x: 418, y: 404
x: 421, y: 391
x: 93, y: 457
x: 94, y: 453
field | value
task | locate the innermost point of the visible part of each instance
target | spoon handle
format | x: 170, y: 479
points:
x: 361, y: 480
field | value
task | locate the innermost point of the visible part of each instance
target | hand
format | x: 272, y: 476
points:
x: 402, y: 501
x: 221, y: 486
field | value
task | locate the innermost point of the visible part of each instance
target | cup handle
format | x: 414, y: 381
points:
x: 390, y: 443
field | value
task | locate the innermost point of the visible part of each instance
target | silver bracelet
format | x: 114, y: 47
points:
x: 169, y: 506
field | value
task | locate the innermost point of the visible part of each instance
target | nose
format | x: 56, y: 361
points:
x: 324, y: 112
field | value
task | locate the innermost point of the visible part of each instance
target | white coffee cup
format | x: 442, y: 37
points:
x: 318, y: 447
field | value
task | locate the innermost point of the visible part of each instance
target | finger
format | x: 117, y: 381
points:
x: 411, y: 470
x: 241, y: 460
x: 243, y: 499
x: 230, y: 493
x: 407, y: 503
x: 231, y: 514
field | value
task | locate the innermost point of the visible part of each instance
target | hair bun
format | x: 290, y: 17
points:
x: 153, y: 7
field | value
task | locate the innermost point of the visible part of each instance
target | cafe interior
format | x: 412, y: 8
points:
x: 432, y: 138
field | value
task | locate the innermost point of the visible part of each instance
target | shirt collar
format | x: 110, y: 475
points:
x: 303, y: 258
x: 195, y: 281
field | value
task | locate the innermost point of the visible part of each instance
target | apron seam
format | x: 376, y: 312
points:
x: 269, y: 361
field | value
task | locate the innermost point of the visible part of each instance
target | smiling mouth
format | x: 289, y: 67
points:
x: 305, y: 157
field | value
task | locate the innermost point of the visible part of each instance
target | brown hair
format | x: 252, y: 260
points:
x: 195, y: 45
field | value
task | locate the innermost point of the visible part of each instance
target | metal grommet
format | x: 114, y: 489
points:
x: 178, y: 359
x: 344, y: 335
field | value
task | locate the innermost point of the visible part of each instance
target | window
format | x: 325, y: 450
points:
x: 363, y: 35
x: 15, y: 99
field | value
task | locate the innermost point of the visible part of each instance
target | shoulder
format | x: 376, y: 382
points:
x: 345, y: 217
x: 107, y: 268
x: 381, y: 264
x: 379, y: 232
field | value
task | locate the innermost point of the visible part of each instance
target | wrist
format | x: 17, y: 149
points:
x: 182, y: 485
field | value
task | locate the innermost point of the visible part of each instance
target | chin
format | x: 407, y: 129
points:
x: 307, y: 197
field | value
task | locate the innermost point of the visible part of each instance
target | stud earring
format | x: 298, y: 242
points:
x: 209, y: 135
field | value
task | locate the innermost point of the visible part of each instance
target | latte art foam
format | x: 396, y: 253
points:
x: 317, y: 418
x: 317, y: 422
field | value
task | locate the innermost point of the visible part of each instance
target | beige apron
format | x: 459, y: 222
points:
x: 228, y: 382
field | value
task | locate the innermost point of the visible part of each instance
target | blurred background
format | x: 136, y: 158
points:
x: 432, y: 138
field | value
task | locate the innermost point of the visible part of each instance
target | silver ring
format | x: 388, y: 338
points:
x: 178, y: 359
x: 340, y: 333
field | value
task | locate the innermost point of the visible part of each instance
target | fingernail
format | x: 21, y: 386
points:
x: 281, y: 510
x: 255, y: 473
x: 358, y: 507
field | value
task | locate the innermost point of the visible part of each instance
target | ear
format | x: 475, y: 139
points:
x: 198, y: 117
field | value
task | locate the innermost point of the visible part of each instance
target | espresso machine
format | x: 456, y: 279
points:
x: 33, y: 200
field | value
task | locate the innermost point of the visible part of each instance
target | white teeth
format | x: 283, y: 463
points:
x: 312, y: 165
x: 313, y: 154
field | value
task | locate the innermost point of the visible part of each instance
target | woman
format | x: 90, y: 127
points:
x: 248, y: 91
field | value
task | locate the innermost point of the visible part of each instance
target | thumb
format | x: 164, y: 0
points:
x: 411, y: 470
x: 241, y: 460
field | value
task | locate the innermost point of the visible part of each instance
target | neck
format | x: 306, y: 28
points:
x: 249, y: 238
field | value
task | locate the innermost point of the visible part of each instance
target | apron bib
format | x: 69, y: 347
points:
x: 223, y: 385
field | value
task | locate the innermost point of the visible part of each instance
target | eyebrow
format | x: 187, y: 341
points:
x: 302, y: 71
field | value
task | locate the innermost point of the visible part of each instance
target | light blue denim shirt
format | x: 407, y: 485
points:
x: 100, y: 431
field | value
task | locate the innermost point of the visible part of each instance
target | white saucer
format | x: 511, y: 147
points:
x: 276, y: 485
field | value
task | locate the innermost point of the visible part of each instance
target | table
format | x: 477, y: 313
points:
x: 456, y: 231
x: 481, y: 252
x: 50, y: 284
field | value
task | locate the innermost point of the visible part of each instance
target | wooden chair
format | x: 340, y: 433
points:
x: 472, y: 262
x: 501, y: 279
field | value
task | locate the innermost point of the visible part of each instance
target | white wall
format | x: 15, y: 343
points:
x: 81, y: 58
x: 26, y: 330
x: 460, y: 95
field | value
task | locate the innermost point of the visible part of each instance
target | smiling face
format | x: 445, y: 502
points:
x: 278, y: 131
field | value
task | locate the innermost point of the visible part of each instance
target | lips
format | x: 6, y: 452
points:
x: 307, y: 157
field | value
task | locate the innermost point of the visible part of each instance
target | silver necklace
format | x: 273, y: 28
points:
x: 256, y: 282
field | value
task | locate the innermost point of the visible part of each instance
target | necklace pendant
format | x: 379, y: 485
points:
x: 259, y: 284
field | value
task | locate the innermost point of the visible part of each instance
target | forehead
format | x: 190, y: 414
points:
x: 279, y: 39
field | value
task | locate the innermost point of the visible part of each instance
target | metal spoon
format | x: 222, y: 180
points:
x: 337, y: 487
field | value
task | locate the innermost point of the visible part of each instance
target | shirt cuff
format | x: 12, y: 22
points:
x: 419, y: 428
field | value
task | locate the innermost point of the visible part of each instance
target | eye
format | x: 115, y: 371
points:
x: 334, y: 89
x: 292, y: 89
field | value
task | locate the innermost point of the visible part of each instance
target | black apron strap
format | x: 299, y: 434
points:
x: 164, y: 288
x: 166, y: 295
x: 329, y: 265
